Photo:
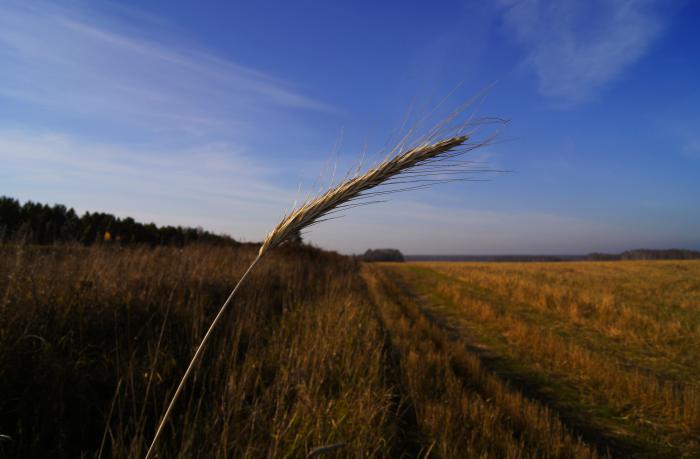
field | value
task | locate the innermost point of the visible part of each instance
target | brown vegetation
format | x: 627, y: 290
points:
x: 461, y: 409
x: 323, y: 354
x: 397, y: 166
x: 93, y: 340
x: 615, y: 343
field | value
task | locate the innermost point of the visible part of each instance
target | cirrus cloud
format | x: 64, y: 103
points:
x: 575, y: 48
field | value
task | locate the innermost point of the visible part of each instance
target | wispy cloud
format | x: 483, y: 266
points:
x: 215, y: 183
x: 107, y: 108
x: 79, y: 62
x: 576, y: 47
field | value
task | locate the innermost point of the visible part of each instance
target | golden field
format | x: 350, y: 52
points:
x: 612, y: 347
x: 361, y: 360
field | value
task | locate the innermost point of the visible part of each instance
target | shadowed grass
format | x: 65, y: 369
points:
x: 92, y: 340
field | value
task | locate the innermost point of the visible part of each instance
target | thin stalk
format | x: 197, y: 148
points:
x: 352, y: 189
x: 195, y: 357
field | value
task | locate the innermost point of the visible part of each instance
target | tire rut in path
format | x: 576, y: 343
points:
x: 411, y: 437
x: 576, y: 421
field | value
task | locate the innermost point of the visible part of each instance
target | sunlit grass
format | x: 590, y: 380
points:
x: 438, y: 360
x: 614, y: 341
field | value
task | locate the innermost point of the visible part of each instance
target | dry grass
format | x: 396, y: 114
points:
x: 358, y: 186
x: 92, y: 341
x: 637, y: 309
x: 632, y: 381
x: 426, y: 159
x: 460, y: 408
x: 322, y: 351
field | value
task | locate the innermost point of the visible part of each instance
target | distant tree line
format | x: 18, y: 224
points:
x: 37, y: 223
x: 638, y: 254
x: 495, y: 258
x: 647, y: 254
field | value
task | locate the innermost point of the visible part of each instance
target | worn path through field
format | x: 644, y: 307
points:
x: 606, y: 433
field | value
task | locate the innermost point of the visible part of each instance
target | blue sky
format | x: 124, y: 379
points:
x: 221, y: 115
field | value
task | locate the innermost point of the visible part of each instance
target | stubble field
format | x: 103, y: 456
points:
x: 321, y: 351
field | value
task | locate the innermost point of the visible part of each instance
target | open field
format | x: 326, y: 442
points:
x: 613, y: 348
x: 390, y: 360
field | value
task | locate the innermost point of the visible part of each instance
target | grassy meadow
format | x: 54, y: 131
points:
x: 324, y: 356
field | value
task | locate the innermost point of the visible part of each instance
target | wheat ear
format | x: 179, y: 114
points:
x: 312, y: 211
